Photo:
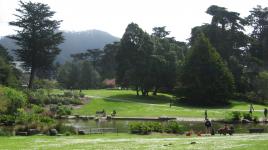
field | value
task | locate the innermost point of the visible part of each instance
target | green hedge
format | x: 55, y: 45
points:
x: 148, y: 127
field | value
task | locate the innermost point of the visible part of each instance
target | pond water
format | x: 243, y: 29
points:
x: 122, y: 125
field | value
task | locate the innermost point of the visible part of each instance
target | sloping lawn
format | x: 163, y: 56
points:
x: 126, y: 103
x: 140, y: 142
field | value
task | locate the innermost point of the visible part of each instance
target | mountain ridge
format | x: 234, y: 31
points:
x: 75, y: 42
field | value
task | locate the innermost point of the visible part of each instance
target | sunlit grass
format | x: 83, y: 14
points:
x: 128, y: 141
x: 126, y: 103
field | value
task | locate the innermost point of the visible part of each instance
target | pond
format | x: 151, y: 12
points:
x: 122, y: 125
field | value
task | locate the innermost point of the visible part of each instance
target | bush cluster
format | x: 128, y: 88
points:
x: 40, y: 97
x: 61, y: 110
x: 236, y: 116
x: 148, y: 127
x: 11, y: 100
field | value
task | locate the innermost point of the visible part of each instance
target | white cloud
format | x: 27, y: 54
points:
x: 114, y: 15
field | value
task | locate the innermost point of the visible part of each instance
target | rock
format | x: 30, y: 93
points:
x: 246, y: 121
x: 53, y: 132
x: 22, y: 133
x: 71, y: 117
x: 81, y: 132
x: 32, y: 131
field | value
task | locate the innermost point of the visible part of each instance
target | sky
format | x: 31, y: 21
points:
x: 113, y: 16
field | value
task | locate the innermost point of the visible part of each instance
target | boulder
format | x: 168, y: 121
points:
x: 246, y: 121
x: 53, y: 132
x: 22, y: 133
x: 33, y: 131
x: 81, y: 132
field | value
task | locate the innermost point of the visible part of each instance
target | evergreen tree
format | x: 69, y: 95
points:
x: 133, y: 59
x: 205, y: 78
x: 37, y: 38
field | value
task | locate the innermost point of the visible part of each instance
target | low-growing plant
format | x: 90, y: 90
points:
x: 148, y: 127
x: 68, y: 94
x: 7, y: 119
x: 5, y: 132
x: 155, y: 126
x: 247, y: 116
x: 139, y: 128
x: 61, y: 110
x: 233, y: 116
x: 11, y: 100
x: 37, y: 109
x: 173, y: 127
x: 65, y: 129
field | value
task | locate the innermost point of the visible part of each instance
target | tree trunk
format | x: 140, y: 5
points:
x: 32, y: 74
x: 143, y: 92
x: 137, y: 90
x: 155, y: 91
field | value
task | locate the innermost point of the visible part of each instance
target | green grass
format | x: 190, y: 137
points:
x: 139, y: 142
x: 126, y: 103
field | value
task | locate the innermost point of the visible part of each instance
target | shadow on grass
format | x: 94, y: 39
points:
x: 159, y: 99
x: 164, y: 99
x: 186, y: 104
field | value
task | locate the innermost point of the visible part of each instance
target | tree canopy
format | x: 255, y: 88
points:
x: 37, y: 37
x: 205, y: 78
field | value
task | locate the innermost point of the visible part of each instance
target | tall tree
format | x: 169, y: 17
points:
x: 133, y: 59
x: 205, y: 78
x: 226, y: 34
x: 37, y: 36
x: 165, y: 59
x: 108, y: 62
x: 258, y: 19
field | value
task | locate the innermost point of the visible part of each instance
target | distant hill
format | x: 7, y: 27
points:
x: 75, y: 42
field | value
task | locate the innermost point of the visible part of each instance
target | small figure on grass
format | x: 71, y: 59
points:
x: 251, y: 109
x: 208, y: 126
x: 113, y: 113
x: 265, y: 114
x: 206, y: 115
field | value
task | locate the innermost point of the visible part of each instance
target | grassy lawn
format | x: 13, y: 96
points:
x: 128, y: 141
x: 126, y: 103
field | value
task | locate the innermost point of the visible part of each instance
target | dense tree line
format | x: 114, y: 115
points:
x: 219, y: 62
x: 8, y: 73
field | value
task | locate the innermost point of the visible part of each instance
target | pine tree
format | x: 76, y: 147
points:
x: 37, y: 37
x: 205, y: 77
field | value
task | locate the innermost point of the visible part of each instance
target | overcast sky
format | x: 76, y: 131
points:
x: 114, y: 15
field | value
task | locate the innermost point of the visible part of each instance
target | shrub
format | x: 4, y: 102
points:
x: 12, y: 100
x: 233, y: 116
x: 61, y: 110
x: 148, y: 127
x: 247, y: 116
x: 81, y: 94
x: 68, y: 94
x: 64, y: 110
x: 139, y: 128
x: 173, y: 127
x: 155, y: 126
x: 7, y: 119
x: 5, y: 132
x: 37, y: 109
x: 47, y: 120
x: 64, y: 129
